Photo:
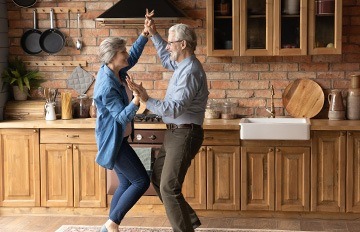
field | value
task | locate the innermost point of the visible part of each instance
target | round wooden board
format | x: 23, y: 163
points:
x: 303, y: 98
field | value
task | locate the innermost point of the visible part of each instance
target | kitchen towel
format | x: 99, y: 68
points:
x: 80, y: 80
x: 145, y: 155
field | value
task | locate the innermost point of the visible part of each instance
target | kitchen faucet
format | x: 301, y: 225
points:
x: 272, y: 108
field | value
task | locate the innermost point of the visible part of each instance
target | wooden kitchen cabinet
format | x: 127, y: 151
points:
x: 194, y: 186
x: 325, y: 29
x: 223, y: 169
x: 328, y: 154
x: 19, y: 168
x: 69, y: 173
x: 269, y: 28
x: 353, y: 172
x: 222, y: 23
x: 275, y: 175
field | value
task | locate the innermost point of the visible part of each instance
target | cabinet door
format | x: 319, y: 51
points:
x: 353, y: 173
x: 56, y: 175
x: 328, y: 171
x: 325, y: 27
x: 222, y: 24
x: 19, y: 167
x: 292, y: 167
x: 257, y: 178
x: 194, y: 187
x: 89, y: 178
x: 223, y: 171
x: 256, y: 27
x: 290, y: 27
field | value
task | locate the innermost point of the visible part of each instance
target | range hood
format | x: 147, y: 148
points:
x: 132, y: 12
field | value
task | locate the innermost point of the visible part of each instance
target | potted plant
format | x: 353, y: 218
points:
x: 20, y: 78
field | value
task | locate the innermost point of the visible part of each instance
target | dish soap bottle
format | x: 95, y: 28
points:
x: 353, y: 99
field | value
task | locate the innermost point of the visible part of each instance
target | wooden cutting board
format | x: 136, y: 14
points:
x: 303, y: 98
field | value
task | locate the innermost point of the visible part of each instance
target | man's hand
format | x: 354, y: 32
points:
x: 138, y: 89
x: 148, y: 19
x: 149, y: 25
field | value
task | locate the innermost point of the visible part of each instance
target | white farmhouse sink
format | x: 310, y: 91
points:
x: 275, y: 128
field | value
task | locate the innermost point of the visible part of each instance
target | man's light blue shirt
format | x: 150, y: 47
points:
x: 187, y: 93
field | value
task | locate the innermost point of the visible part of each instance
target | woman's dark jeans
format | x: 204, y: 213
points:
x: 133, y: 182
x: 170, y: 167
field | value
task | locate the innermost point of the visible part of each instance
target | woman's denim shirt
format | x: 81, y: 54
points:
x: 114, y: 111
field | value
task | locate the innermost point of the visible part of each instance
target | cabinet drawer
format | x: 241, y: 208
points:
x: 84, y: 136
x: 216, y: 137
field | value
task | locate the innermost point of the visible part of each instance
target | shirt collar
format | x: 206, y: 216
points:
x: 186, y: 61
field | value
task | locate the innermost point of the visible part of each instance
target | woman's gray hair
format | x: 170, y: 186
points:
x: 109, y: 47
x: 185, y: 32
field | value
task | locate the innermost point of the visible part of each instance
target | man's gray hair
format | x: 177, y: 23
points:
x: 109, y: 47
x: 185, y: 32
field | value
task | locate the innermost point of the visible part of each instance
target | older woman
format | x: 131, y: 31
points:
x: 115, y: 111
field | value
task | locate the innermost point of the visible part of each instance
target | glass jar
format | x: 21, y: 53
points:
x: 229, y: 109
x: 93, y: 109
x: 212, y: 109
x: 82, y: 106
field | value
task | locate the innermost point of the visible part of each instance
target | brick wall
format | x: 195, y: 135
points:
x: 246, y: 79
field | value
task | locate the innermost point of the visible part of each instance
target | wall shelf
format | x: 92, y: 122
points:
x: 57, y: 10
x: 55, y: 63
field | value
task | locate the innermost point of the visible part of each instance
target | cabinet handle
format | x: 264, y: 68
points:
x: 271, y: 150
x: 209, y: 148
x: 277, y: 149
x: 152, y: 137
x: 68, y: 147
x: 202, y: 149
x: 35, y: 131
x: 342, y: 133
x: 72, y: 136
x: 350, y: 134
x: 75, y: 147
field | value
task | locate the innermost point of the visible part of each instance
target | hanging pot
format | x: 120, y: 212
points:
x: 24, y: 3
x: 52, y: 40
x: 30, y: 39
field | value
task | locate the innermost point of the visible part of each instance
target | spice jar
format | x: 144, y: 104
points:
x: 228, y: 109
x: 82, y: 107
x: 212, y: 109
x: 93, y: 109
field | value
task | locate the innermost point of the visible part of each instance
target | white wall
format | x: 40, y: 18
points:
x: 4, y: 53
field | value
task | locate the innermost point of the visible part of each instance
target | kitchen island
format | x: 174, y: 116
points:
x: 228, y: 176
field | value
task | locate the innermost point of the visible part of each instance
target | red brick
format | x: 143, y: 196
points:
x: 273, y: 75
x: 213, y: 67
x: 301, y: 75
x: 245, y: 75
x: 217, y: 94
x: 255, y: 67
x: 284, y: 67
x: 218, y: 60
x: 254, y: 84
x: 161, y: 85
x: 297, y: 59
x: 217, y: 75
x: 240, y: 93
x: 332, y: 75
x: 342, y: 84
x: 224, y: 84
x: 327, y: 58
x: 314, y: 67
x: 253, y: 102
x: 345, y: 67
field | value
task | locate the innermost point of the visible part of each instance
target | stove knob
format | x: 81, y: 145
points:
x: 139, y: 137
x: 152, y: 137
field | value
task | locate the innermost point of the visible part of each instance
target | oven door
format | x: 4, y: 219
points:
x: 113, y: 182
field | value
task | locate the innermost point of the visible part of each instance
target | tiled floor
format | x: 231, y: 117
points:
x: 30, y: 223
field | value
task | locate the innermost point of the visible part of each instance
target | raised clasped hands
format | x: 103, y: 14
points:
x: 149, y: 24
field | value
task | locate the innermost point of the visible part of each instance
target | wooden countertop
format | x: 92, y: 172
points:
x: 209, y: 124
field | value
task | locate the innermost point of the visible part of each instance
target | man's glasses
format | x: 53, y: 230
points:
x: 171, y: 42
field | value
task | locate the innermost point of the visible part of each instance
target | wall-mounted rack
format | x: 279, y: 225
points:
x: 57, y: 10
x: 55, y: 63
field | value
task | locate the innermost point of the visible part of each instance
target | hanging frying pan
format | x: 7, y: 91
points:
x: 52, y: 40
x: 30, y: 39
x: 24, y: 3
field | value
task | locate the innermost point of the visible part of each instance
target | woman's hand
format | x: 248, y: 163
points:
x: 138, y: 89
x: 149, y: 25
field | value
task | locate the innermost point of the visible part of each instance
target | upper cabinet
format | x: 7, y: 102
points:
x: 325, y: 27
x: 273, y: 27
